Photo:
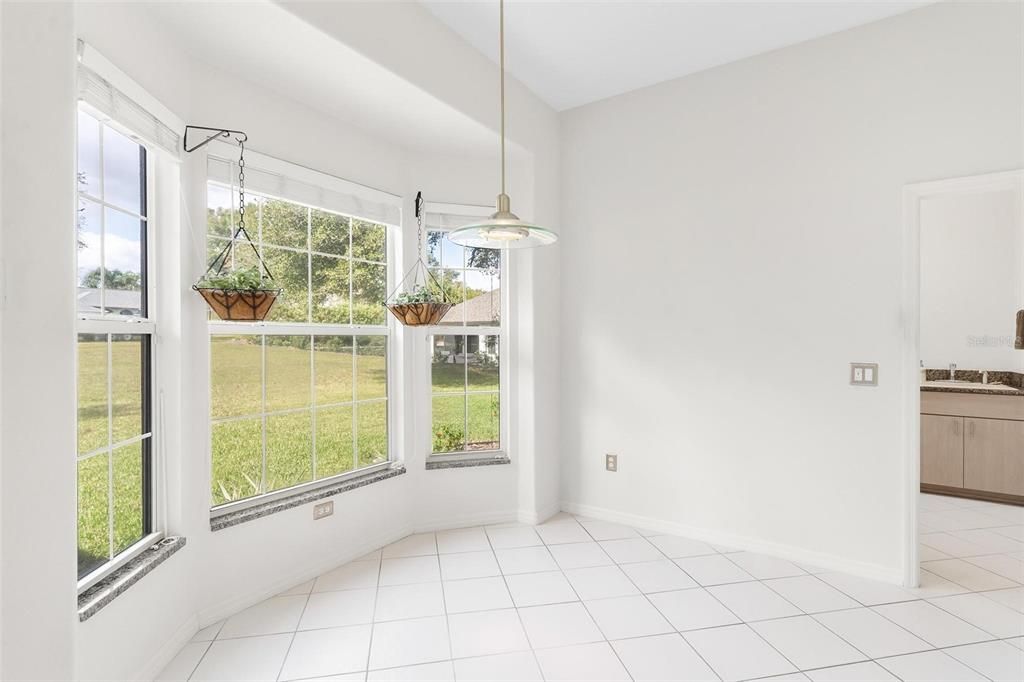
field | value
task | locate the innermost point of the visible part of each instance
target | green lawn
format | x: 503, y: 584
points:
x: 350, y: 421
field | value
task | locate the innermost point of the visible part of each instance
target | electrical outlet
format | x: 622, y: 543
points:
x: 323, y: 510
x: 611, y: 462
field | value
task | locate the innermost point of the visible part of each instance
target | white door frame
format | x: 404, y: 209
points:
x: 912, y: 196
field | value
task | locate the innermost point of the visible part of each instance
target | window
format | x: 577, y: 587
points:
x: 115, y: 331
x: 302, y: 397
x: 466, y: 348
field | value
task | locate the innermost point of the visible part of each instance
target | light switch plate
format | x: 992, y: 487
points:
x: 863, y: 373
x: 611, y: 462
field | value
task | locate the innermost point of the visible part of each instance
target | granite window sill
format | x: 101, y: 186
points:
x: 234, y: 518
x: 466, y: 461
x: 107, y: 590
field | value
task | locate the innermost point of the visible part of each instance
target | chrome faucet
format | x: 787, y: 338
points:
x: 952, y: 371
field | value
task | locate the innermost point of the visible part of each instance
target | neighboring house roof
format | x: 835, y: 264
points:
x: 114, y: 299
x: 482, y: 309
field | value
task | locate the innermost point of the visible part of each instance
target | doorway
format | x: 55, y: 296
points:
x: 963, y: 378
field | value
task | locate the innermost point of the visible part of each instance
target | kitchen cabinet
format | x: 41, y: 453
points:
x: 994, y: 455
x: 942, y: 450
x: 972, y: 445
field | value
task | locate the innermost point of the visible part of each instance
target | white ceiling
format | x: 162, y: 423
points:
x: 572, y: 52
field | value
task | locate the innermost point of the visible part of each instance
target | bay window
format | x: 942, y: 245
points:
x: 465, y: 349
x: 301, y: 398
x: 115, y: 332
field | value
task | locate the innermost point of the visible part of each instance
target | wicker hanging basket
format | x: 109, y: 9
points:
x: 418, y: 314
x: 419, y: 299
x: 243, y: 305
x: 251, y: 305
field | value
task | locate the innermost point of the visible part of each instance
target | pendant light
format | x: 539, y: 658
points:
x: 504, y: 229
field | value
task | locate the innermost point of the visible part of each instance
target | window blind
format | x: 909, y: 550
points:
x: 266, y: 175
x: 110, y: 102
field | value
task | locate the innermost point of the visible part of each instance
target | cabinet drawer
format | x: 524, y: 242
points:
x: 942, y: 450
x: 994, y: 455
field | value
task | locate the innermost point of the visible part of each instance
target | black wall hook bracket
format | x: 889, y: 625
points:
x: 217, y: 132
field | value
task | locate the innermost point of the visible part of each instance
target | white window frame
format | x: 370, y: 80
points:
x: 500, y: 330
x: 148, y: 326
x: 386, y: 330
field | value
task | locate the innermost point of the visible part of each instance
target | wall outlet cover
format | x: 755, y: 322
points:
x: 611, y: 462
x: 323, y: 510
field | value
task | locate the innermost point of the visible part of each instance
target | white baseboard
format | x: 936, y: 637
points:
x: 789, y: 552
x: 537, y: 517
x: 229, y: 607
x: 170, y: 648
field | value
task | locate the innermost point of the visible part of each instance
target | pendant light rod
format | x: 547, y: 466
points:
x: 503, y: 229
x: 501, y: 59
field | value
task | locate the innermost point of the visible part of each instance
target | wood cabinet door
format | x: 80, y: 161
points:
x: 994, y: 455
x: 942, y: 450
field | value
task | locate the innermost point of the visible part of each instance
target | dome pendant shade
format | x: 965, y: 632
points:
x: 503, y: 230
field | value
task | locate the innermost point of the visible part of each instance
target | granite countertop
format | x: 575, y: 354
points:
x: 1009, y: 383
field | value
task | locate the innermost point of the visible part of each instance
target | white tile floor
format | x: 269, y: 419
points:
x: 576, y: 599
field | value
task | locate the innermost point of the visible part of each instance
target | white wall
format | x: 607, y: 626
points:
x: 732, y: 240
x: 37, y: 500
x: 219, y: 573
x: 972, y: 246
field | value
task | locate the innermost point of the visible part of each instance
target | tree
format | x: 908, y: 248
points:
x: 113, y: 279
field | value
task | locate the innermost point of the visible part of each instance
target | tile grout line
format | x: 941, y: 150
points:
x: 519, y: 616
x: 697, y: 585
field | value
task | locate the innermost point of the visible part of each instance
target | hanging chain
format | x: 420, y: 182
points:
x: 241, y: 185
x: 419, y: 224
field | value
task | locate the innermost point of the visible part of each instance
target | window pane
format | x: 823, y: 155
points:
x: 369, y: 289
x: 330, y: 290
x: 128, y: 497
x: 122, y: 263
x: 89, y: 228
x: 284, y: 224
x: 483, y: 297
x: 451, y: 253
x: 482, y: 372
x: 88, y: 154
x: 483, y: 421
x: 371, y: 367
x: 289, y: 449
x: 448, y: 367
x: 334, y: 441
x: 332, y: 367
x: 237, y: 453
x: 220, y: 211
x: 449, y: 423
x: 123, y: 161
x: 454, y: 288
x: 93, y: 505
x: 236, y: 376
x: 126, y: 354
x: 288, y: 372
x: 330, y: 232
x: 372, y: 428
x: 369, y: 241
x: 291, y: 272
x: 92, y: 392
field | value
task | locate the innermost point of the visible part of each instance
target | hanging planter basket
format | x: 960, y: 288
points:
x: 236, y: 294
x: 419, y: 314
x: 239, y: 295
x: 420, y: 299
x: 250, y: 305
